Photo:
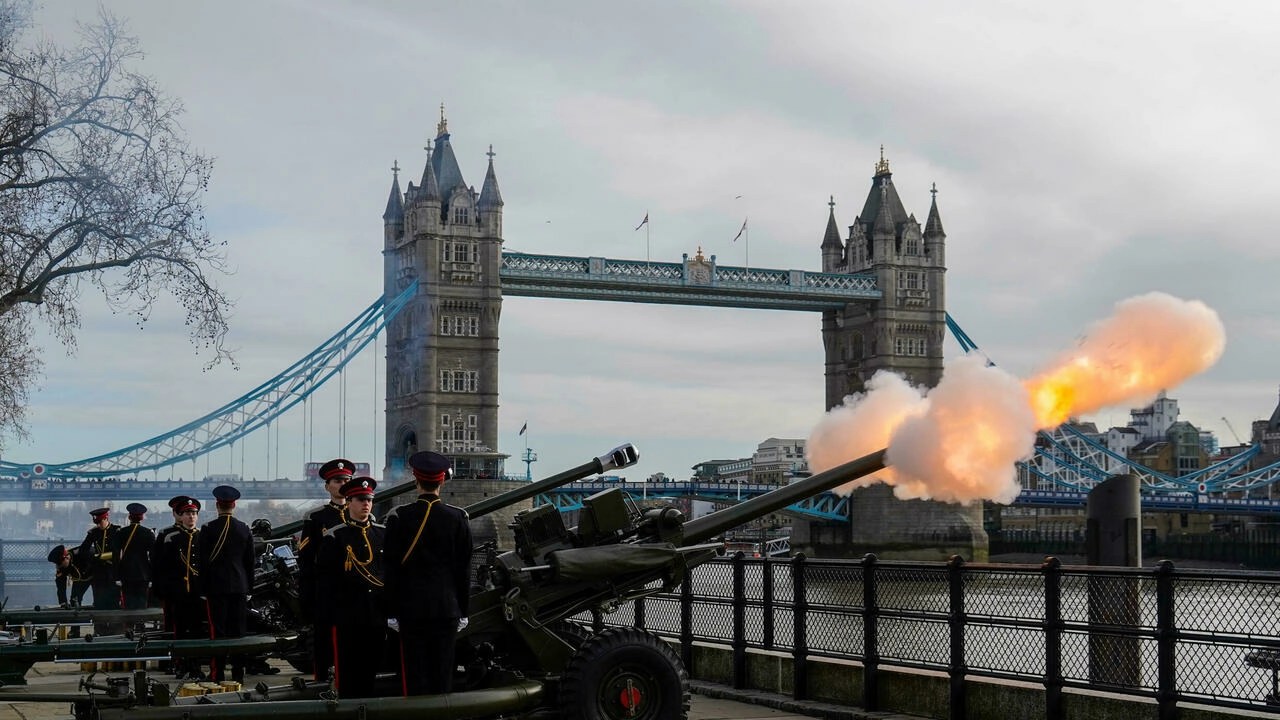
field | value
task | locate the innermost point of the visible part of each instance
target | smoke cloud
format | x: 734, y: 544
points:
x: 959, y: 441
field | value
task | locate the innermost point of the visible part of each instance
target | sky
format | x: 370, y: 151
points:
x: 1083, y: 153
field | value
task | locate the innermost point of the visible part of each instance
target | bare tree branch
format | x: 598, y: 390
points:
x: 99, y: 188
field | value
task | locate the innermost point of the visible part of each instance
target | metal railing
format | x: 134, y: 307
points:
x: 1173, y: 636
x: 1255, y: 549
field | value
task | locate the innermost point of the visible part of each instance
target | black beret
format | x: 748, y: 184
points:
x: 338, y: 467
x: 226, y: 493
x: 57, y: 553
x: 358, y: 487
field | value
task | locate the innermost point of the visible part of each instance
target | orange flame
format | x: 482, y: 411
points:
x: 1151, y: 343
x: 959, y: 442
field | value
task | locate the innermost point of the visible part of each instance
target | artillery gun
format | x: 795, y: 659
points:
x: 521, y: 655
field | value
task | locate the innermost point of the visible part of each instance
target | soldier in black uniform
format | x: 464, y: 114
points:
x: 428, y: 561
x: 131, y: 548
x: 349, y: 599
x: 334, y: 473
x: 226, y: 568
x: 175, y: 577
x: 65, y: 569
x: 94, y: 555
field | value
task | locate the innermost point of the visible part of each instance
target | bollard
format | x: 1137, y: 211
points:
x: 1114, y: 538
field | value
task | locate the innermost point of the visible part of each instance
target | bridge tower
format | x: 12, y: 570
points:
x: 903, y: 333
x: 442, y: 349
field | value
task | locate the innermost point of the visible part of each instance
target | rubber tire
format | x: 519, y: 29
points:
x: 575, y: 633
x: 591, y: 686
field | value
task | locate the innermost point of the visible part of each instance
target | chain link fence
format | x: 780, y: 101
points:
x: 1169, y: 635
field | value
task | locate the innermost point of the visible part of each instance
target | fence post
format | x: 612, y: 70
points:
x: 766, y: 605
x: 1166, y: 643
x: 739, y: 621
x: 686, y: 623
x: 800, y: 638
x: 3, y: 598
x: 1053, y: 708
x: 870, y: 635
x: 956, y: 621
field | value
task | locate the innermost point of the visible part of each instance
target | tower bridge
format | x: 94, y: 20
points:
x: 879, y: 298
x: 880, y: 295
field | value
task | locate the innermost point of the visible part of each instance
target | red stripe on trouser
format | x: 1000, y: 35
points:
x: 404, y: 684
x: 215, y: 672
x: 336, y: 682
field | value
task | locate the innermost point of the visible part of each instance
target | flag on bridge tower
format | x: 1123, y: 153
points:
x: 643, y: 222
x: 524, y: 427
x: 742, y: 230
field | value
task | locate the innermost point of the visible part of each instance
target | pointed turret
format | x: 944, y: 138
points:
x: 429, y: 188
x: 832, y: 247
x: 443, y: 162
x: 884, y: 220
x: 883, y: 200
x: 1274, y: 423
x: 394, y: 214
x: 933, y: 226
x: 490, y: 196
x: 832, y: 236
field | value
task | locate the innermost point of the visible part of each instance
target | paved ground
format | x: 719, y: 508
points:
x: 62, y: 678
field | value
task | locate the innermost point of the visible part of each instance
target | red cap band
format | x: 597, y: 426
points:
x: 436, y: 477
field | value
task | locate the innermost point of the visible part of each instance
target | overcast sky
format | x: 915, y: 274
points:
x: 1083, y: 152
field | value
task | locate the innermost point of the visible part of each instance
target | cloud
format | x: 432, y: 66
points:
x: 1083, y: 154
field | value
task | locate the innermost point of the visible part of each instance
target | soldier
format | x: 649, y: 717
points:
x: 334, y: 473
x: 349, y: 584
x: 64, y: 569
x: 131, y: 548
x: 428, y: 561
x: 226, y: 567
x: 176, y: 579
x: 94, y: 555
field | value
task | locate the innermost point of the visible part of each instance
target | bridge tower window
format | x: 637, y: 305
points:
x: 459, y: 381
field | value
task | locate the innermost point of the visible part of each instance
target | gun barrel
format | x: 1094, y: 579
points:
x: 709, y: 526
x: 622, y: 456
x: 619, y: 457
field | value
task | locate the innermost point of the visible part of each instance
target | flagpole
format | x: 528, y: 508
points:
x: 746, y: 241
x: 646, y: 237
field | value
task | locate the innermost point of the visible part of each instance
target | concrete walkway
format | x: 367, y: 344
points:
x: 63, y: 678
x: 704, y: 708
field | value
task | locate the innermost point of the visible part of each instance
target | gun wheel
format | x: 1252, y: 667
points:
x: 574, y: 633
x: 624, y: 673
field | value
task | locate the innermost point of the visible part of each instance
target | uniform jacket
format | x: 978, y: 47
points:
x: 428, y: 580
x: 175, y: 563
x: 89, y: 555
x: 226, y: 556
x: 349, y: 575
x: 131, y: 550
x: 313, y: 527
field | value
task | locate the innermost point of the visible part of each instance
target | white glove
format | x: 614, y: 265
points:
x: 462, y: 624
x: 393, y: 624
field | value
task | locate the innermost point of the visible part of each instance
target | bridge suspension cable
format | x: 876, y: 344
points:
x: 240, y: 417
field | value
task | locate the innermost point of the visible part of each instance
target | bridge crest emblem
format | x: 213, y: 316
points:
x: 699, y: 270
